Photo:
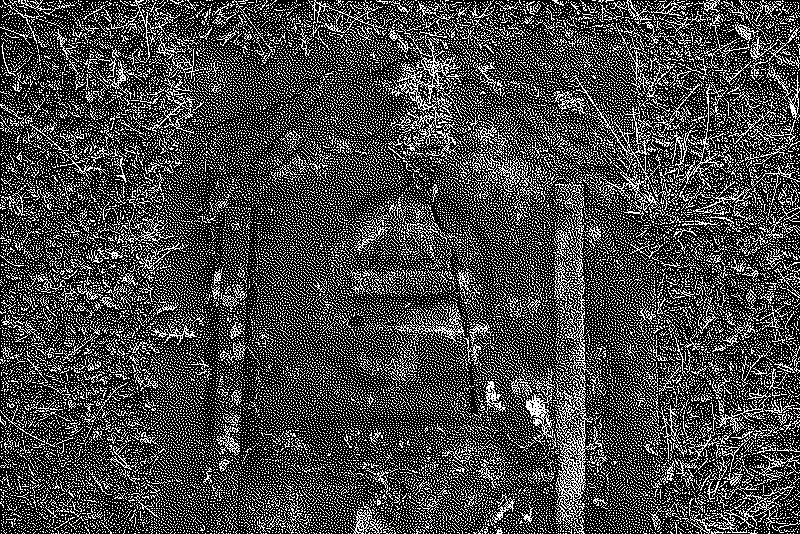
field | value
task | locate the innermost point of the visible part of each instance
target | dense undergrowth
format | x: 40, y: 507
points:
x: 93, y: 93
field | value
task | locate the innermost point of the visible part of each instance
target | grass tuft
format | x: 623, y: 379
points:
x: 91, y: 96
x: 711, y: 175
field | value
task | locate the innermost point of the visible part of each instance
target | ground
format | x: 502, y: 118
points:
x: 690, y: 186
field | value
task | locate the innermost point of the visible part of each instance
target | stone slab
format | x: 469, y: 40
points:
x: 570, y: 372
x: 514, y: 268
